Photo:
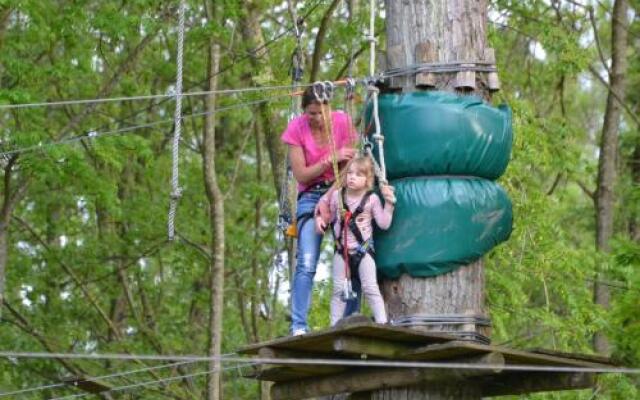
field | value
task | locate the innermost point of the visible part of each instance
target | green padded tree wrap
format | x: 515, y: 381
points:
x: 440, y: 133
x: 441, y: 223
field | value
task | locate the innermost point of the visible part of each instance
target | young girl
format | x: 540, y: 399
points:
x: 353, y: 230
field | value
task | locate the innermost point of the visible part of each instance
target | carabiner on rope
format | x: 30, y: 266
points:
x: 319, y: 91
x: 329, y: 89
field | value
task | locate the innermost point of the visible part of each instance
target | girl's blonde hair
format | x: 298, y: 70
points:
x: 363, y: 164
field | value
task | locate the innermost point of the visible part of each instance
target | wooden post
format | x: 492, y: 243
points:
x: 452, y: 31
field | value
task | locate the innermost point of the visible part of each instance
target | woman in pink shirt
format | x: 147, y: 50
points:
x: 311, y: 156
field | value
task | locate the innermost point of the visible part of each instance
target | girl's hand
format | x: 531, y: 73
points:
x: 320, y: 224
x: 345, y: 154
x: 387, y: 192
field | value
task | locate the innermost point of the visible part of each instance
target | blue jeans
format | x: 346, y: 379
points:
x: 307, y: 254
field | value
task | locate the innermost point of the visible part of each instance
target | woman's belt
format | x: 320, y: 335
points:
x: 319, y: 186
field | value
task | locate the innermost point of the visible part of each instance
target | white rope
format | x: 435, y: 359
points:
x: 94, y: 378
x: 153, y: 382
x: 326, y: 361
x: 94, y: 134
x: 374, y: 91
x: 176, y: 190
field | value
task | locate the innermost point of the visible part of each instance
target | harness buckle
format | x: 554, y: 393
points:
x: 347, y: 291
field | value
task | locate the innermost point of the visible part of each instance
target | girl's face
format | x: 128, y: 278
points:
x: 314, y: 112
x: 356, y: 177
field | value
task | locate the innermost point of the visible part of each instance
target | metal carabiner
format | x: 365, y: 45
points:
x: 329, y: 89
x: 319, y: 91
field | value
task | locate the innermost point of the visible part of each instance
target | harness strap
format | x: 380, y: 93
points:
x: 351, y: 222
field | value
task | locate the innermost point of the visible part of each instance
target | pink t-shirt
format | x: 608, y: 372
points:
x: 298, y: 133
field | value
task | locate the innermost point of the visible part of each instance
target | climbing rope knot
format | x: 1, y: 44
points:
x: 350, y: 88
x: 370, y: 38
x: 176, y: 194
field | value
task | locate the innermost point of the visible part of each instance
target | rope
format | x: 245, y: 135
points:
x: 176, y: 190
x: 440, y: 67
x: 324, y: 93
x: 327, y: 361
x: 94, y: 134
x: 250, y: 53
x: 380, y: 169
x: 93, y: 379
x: 145, y: 97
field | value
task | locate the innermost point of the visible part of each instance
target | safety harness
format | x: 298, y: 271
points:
x: 352, y: 259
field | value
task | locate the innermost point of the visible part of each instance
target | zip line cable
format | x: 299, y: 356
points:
x: 94, y: 134
x: 103, y: 377
x: 95, y: 378
x: 326, y: 361
x: 153, y: 382
x: 144, y: 97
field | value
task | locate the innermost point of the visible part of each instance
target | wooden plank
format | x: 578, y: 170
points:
x: 521, y: 383
x: 577, y: 356
x: 513, y: 356
x: 322, y: 341
x: 493, y: 82
x: 457, y: 349
x: 426, y: 52
x: 284, y: 373
x: 358, y: 346
x: 365, y: 379
x: 449, y: 350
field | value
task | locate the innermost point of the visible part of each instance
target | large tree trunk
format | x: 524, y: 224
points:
x: 605, y: 197
x: 436, y: 31
x: 11, y: 196
x: 634, y: 219
x: 216, y: 220
x: 253, y: 37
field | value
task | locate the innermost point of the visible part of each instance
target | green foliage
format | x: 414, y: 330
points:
x: 89, y: 267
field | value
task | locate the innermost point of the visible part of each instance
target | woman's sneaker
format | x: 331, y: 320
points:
x: 298, y: 332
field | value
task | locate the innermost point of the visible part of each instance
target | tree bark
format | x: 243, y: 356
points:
x: 10, y: 198
x: 421, y: 31
x: 605, y: 196
x: 216, y: 221
x: 634, y: 219
x: 252, y: 35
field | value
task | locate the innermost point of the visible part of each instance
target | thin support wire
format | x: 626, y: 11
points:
x: 95, y: 378
x: 176, y: 190
x: 94, y: 134
x: 149, y: 383
x: 327, y: 361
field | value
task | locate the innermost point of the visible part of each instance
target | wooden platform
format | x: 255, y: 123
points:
x: 371, y: 341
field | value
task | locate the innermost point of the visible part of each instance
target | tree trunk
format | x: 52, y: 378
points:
x: 253, y: 37
x: 216, y: 220
x: 634, y: 218
x: 605, y: 198
x: 421, y: 31
x: 10, y: 198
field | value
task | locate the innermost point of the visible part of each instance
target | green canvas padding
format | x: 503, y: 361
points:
x: 440, y: 224
x: 440, y: 133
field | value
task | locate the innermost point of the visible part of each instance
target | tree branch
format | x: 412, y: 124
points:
x: 320, y: 36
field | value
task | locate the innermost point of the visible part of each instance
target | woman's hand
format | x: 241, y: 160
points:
x: 387, y: 192
x: 345, y: 154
